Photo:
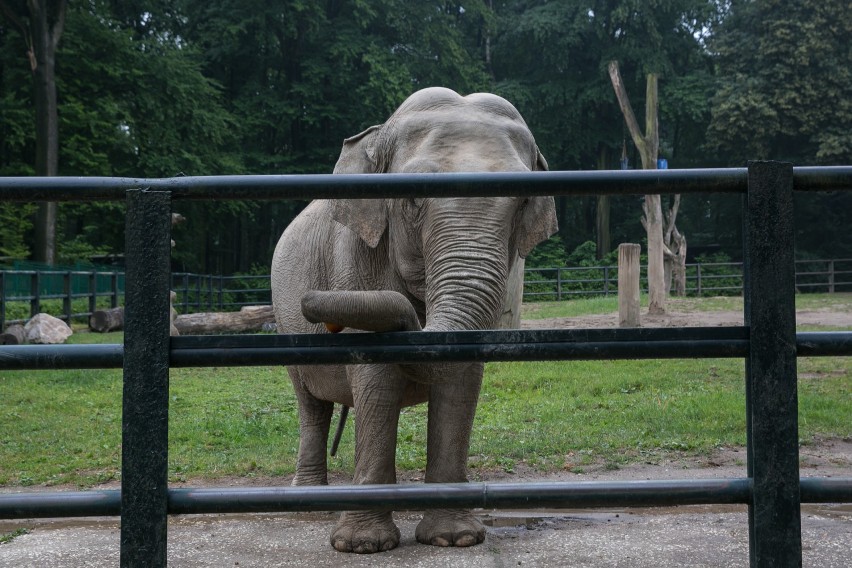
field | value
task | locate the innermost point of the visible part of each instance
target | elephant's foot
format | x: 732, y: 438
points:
x: 302, y: 479
x: 450, y: 527
x: 365, y: 532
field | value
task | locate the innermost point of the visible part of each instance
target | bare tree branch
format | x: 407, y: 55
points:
x: 626, y: 109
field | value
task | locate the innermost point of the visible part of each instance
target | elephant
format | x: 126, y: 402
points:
x: 406, y: 264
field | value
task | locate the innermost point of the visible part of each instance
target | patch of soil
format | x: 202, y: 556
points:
x: 823, y: 317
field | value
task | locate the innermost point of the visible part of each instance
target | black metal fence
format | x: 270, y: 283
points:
x: 768, y: 342
x: 82, y: 291
x: 702, y: 279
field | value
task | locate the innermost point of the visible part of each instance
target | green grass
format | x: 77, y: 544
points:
x: 6, y: 538
x: 64, y: 427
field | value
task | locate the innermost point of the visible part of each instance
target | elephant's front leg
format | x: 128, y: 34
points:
x: 377, y: 392
x: 452, y: 406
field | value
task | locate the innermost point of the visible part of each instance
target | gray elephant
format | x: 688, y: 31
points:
x: 407, y: 264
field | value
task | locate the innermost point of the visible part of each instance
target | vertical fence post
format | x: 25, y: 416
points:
x: 771, y: 395
x: 113, y: 303
x: 628, y: 284
x: 558, y: 285
x: 698, y: 276
x: 2, y: 300
x: 67, y: 295
x: 93, y: 292
x: 831, y: 277
x: 35, y: 293
x: 144, y: 463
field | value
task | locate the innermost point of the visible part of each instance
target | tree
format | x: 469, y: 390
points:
x: 784, y: 92
x: 40, y: 23
x: 784, y: 82
x: 648, y: 144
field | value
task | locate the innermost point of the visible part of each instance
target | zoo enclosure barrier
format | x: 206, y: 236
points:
x: 200, y: 292
x: 768, y: 342
x: 702, y: 279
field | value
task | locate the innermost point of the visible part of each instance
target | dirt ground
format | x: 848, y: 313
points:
x: 830, y: 317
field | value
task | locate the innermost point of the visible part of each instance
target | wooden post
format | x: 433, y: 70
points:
x: 628, y: 285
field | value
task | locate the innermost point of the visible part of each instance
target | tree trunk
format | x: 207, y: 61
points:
x: 675, y: 251
x: 103, y: 321
x: 41, y: 25
x: 248, y: 319
x: 602, y: 232
x: 648, y: 147
x: 14, y: 335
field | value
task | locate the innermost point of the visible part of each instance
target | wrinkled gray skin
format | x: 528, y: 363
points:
x: 445, y: 263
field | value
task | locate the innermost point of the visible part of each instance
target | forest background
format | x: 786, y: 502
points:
x: 158, y: 88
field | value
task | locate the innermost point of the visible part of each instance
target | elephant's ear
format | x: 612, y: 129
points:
x: 358, y: 155
x: 540, y: 162
x: 538, y: 222
x: 365, y: 217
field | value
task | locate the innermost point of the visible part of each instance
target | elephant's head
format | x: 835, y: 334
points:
x: 452, y: 254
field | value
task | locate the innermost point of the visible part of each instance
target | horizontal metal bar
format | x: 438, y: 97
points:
x: 44, y: 504
x: 428, y: 347
x: 106, y: 356
x: 826, y: 489
x: 325, y: 186
x: 395, y: 497
x: 823, y: 343
x: 247, y: 357
x: 590, y: 494
x: 822, y: 178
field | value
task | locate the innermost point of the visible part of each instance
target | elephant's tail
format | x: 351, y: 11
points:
x: 376, y: 310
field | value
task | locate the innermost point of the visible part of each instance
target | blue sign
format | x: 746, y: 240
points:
x: 662, y: 164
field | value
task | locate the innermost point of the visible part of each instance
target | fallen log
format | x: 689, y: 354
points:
x: 103, y: 321
x: 14, y: 335
x: 248, y: 319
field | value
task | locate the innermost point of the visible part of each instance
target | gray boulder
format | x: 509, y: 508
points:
x: 44, y: 328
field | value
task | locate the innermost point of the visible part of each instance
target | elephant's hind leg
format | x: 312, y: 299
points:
x: 314, y: 424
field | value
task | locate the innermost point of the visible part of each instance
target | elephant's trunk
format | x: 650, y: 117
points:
x: 466, y: 277
x: 378, y: 310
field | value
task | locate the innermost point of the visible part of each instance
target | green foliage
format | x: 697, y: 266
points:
x: 785, y: 82
x: 153, y: 88
x: 563, y: 284
x: 15, y: 221
x: 548, y: 254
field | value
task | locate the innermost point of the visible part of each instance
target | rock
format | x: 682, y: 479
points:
x: 44, y: 328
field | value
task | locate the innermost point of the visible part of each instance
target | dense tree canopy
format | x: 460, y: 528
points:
x: 150, y: 88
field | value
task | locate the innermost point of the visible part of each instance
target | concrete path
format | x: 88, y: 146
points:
x: 708, y: 536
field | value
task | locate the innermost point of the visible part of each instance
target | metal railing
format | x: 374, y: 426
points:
x: 82, y: 292
x: 768, y: 342
x: 207, y: 292
x: 702, y: 279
